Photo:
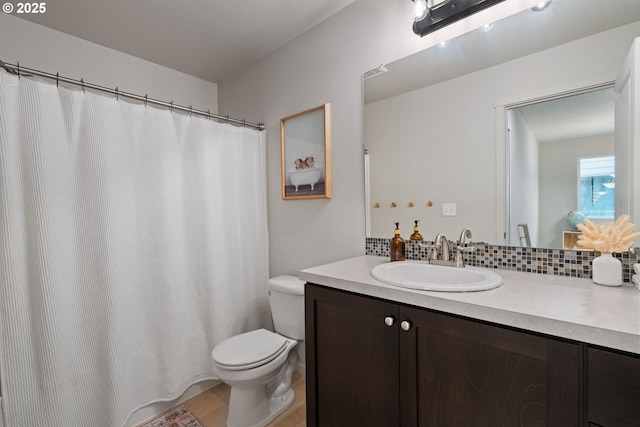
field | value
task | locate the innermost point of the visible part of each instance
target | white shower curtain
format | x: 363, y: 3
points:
x: 132, y: 241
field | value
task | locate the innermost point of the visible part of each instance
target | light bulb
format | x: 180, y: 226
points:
x: 541, y: 6
x: 419, y: 9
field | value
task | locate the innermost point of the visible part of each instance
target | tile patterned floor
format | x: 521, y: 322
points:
x: 211, y: 406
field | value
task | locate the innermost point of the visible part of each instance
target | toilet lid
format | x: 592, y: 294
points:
x: 249, y: 350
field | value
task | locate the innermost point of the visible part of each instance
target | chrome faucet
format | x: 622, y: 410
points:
x: 466, y: 234
x: 441, y: 244
x: 441, y: 252
x: 462, y: 247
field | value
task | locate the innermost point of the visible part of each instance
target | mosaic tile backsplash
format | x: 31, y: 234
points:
x: 559, y: 262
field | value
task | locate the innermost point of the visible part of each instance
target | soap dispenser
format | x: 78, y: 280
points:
x: 396, y: 245
x: 416, y: 232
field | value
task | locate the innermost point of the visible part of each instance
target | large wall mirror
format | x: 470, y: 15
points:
x: 436, y: 125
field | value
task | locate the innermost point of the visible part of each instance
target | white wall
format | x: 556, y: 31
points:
x: 524, y: 178
x: 627, y: 119
x: 439, y: 143
x: 325, y: 65
x: 41, y: 48
x: 425, y: 146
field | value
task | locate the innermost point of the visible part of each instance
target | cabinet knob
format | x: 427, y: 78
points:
x: 405, y: 325
x: 389, y: 320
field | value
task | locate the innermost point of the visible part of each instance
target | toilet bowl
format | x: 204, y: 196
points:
x: 258, y: 364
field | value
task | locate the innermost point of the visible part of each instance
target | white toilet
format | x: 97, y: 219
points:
x: 258, y: 364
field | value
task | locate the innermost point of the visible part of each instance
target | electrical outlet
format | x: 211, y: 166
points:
x: 449, y: 209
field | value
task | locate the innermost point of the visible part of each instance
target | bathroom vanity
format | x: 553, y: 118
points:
x: 538, y: 350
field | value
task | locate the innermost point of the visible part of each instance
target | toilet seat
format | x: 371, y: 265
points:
x: 249, y: 350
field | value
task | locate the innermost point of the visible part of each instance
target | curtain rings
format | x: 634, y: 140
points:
x: 171, y: 106
x: 116, y: 93
x: 145, y: 99
x: 57, y: 79
x: 82, y: 84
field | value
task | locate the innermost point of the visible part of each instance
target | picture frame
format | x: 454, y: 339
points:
x: 305, y: 142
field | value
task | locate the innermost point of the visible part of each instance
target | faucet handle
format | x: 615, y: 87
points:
x: 429, y: 245
x: 466, y: 248
x: 435, y: 247
x: 459, y: 250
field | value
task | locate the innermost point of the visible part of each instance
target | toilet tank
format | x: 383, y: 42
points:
x: 286, y: 298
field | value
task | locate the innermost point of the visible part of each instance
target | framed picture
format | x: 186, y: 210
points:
x: 305, y: 140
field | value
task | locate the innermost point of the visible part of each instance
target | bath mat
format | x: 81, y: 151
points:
x: 178, y: 417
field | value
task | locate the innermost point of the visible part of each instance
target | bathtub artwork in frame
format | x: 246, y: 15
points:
x: 305, y: 140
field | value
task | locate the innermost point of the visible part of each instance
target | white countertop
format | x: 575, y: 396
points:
x: 565, y: 307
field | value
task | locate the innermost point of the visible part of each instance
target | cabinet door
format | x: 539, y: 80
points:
x: 352, y: 360
x: 613, y: 389
x: 457, y: 372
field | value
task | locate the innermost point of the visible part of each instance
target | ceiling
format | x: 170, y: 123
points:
x: 522, y: 34
x: 210, y: 39
x: 584, y: 114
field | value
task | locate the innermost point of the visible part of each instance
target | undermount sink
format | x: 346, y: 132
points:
x: 428, y: 277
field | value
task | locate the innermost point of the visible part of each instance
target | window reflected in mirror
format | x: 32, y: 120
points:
x: 596, y: 187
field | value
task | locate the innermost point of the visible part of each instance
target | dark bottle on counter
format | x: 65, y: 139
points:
x: 416, y: 232
x: 396, y: 245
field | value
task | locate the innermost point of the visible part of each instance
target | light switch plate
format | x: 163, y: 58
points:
x: 449, y: 209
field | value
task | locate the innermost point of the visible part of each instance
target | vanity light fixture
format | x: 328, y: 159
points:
x: 541, y: 6
x: 430, y: 17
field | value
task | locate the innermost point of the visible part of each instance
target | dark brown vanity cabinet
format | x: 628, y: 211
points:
x: 352, y: 360
x: 376, y: 363
x: 613, y: 388
x: 458, y: 372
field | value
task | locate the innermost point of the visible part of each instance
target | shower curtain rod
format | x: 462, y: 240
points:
x: 28, y: 72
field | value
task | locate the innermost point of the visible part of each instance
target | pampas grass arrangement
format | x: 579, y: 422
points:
x: 608, y: 237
